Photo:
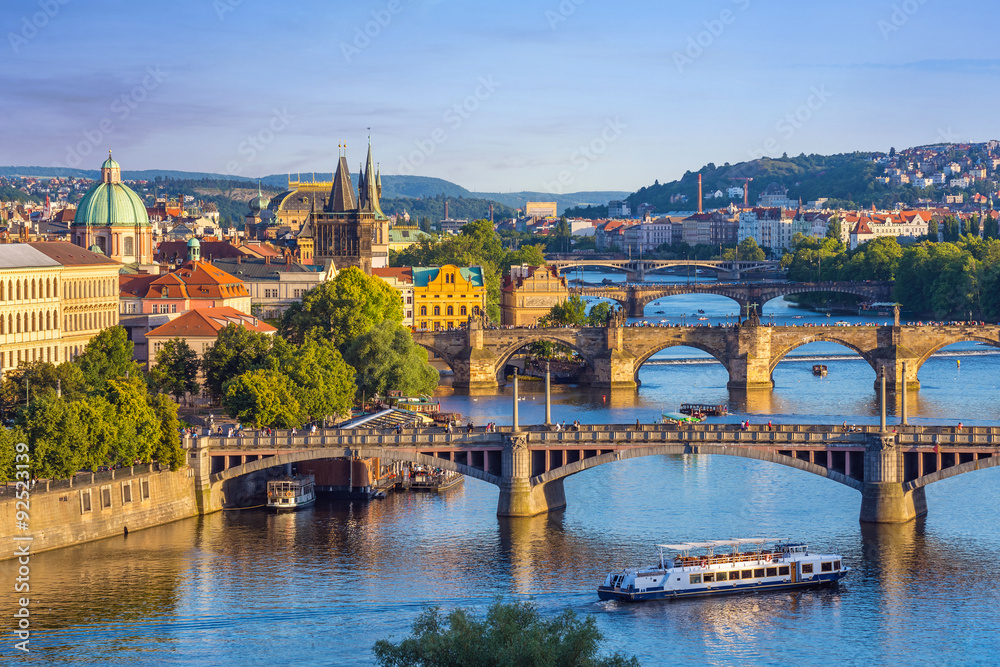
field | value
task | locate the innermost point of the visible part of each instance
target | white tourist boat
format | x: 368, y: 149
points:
x: 291, y: 493
x: 719, y: 567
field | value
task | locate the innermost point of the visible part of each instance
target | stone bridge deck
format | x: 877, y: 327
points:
x: 749, y: 353
x: 635, y: 298
x: 529, y: 465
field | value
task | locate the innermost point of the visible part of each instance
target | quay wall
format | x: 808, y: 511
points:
x: 95, y: 506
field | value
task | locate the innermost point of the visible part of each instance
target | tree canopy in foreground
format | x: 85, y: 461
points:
x: 510, y: 634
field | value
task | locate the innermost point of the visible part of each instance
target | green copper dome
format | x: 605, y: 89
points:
x: 110, y: 203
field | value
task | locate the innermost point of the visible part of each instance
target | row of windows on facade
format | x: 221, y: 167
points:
x: 439, y: 326
x: 87, y: 502
x: 48, y: 320
x: 20, y: 290
x: 449, y: 311
x: 273, y: 293
x: 758, y: 573
x: 15, y: 358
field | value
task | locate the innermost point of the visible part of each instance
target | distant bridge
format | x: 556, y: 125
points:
x: 889, y: 469
x: 749, y: 353
x: 636, y: 269
x: 634, y: 298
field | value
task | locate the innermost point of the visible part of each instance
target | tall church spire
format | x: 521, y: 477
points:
x: 371, y: 186
x: 342, y: 193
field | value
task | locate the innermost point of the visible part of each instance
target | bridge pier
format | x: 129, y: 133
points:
x: 750, y: 358
x: 518, y: 498
x: 616, y: 368
x: 207, y: 498
x: 883, y: 499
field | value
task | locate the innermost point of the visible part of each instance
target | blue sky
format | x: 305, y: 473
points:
x: 556, y: 95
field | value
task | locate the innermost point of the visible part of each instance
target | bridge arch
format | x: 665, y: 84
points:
x: 681, y: 290
x: 658, y: 450
x: 388, y: 454
x: 964, y: 338
x: 438, y: 353
x: 951, y: 471
x: 819, y: 338
x: 718, y: 355
x: 550, y: 335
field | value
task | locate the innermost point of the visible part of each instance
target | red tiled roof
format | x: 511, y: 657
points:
x: 401, y: 273
x: 207, y: 322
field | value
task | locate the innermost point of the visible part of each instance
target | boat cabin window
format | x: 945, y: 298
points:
x: 709, y: 577
x: 807, y: 568
x: 747, y: 574
x: 759, y: 572
x: 836, y: 565
x: 783, y: 570
x: 721, y: 576
x: 772, y: 572
x: 826, y: 567
x: 695, y: 578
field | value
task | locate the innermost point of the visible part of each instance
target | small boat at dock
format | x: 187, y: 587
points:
x: 291, y: 493
x: 782, y: 565
x: 704, y: 409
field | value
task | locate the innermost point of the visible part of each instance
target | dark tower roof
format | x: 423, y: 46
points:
x: 342, y: 193
x: 368, y: 195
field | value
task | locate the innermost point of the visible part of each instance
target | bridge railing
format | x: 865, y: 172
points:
x: 808, y: 435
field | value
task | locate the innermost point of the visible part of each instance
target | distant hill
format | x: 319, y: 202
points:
x: 846, y: 180
x: 564, y: 201
x: 459, y: 208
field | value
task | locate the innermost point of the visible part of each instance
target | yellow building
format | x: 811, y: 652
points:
x: 541, y: 209
x: 529, y: 293
x: 54, y: 297
x: 444, y: 297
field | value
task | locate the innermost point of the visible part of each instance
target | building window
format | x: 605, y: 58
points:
x: 462, y: 311
x: 129, y: 246
x: 126, y: 492
x: 437, y: 311
x: 423, y: 311
x: 105, y: 497
x: 451, y: 311
x: 145, y: 489
x: 85, y: 502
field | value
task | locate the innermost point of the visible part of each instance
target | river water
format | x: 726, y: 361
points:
x: 318, y: 587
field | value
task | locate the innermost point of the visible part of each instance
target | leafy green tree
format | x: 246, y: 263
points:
x: 572, y: 313
x: 322, y: 382
x: 599, y: 314
x: 235, y: 351
x: 176, y: 369
x: 748, y: 250
x: 974, y: 226
x: 56, y: 437
x: 262, y: 397
x: 387, y: 358
x: 932, y: 230
x: 343, y: 308
x: 108, y: 356
x: 167, y: 449
x: 560, y: 237
x: 835, y: 228
x: 990, y: 228
x: 9, y: 439
x: 510, y: 634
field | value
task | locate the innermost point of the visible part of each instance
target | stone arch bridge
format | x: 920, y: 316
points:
x: 635, y: 298
x: 749, y: 353
x: 890, y: 470
x: 636, y: 269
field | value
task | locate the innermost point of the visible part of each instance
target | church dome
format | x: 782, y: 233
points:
x: 110, y: 203
x: 258, y: 203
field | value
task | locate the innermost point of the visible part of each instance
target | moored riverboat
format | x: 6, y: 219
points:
x: 697, y: 570
x: 291, y: 493
x: 820, y: 370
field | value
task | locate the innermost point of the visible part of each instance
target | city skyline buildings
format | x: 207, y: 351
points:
x: 546, y: 96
